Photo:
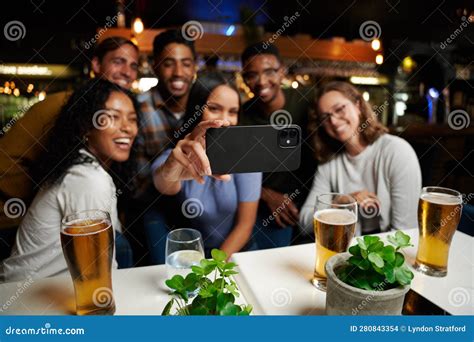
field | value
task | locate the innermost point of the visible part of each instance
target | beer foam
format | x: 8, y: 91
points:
x: 335, y: 216
x: 441, y: 198
x: 85, y: 227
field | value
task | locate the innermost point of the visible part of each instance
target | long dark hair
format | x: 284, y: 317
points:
x: 67, y: 136
x: 197, y: 101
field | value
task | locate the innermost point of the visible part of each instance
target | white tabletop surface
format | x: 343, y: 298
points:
x: 277, y: 281
x: 137, y: 291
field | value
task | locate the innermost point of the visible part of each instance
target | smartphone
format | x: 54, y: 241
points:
x: 263, y: 148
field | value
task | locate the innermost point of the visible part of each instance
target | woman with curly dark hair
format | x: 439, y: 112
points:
x: 84, y: 161
x: 358, y: 157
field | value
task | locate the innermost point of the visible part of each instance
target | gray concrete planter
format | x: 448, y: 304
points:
x: 344, y: 299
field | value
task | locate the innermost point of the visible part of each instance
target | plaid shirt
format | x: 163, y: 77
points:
x: 157, y: 125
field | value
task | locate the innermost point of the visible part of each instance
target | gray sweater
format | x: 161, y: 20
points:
x: 389, y: 168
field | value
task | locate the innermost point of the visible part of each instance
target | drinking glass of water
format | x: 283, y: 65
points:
x: 184, y: 248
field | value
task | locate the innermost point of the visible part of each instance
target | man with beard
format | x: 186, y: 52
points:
x: 162, y: 110
x: 283, y: 193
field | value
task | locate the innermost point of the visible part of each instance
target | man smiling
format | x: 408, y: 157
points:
x: 282, y: 193
x: 162, y: 110
x: 163, y: 106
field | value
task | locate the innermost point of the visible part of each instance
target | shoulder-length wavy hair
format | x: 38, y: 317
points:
x: 197, y: 101
x: 370, y: 128
x: 67, y: 135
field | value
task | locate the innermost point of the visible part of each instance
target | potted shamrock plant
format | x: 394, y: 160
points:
x: 372, y: 279
x: 207, y: 290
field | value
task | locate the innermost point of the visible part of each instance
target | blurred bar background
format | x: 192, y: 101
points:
x: 413, y: 60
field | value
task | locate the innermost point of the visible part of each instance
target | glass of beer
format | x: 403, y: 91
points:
x: 439, y: 212
x: 335, y: 221
x: 87, y: 239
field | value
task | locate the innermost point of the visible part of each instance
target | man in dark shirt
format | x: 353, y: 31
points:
x: 283, y: 193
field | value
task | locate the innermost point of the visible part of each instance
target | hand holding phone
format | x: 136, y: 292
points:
x: 264, y: 148
x: 188, y: 160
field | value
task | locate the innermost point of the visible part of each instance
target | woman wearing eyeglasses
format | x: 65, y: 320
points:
x: 358, y: 157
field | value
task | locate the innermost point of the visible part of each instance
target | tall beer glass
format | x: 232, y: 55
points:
x: 335, y: 221
x: 439, y: 212
x: 87, y: 240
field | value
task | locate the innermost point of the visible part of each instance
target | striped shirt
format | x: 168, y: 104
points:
x: 157, y: 125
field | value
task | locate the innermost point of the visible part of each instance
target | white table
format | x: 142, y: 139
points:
x: 277, y: 281
x: 137, y: 291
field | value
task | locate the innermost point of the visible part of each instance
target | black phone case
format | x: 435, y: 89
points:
x: 241, y: 149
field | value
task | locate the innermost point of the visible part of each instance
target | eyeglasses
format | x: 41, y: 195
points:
x: 254, y: 77
x: 338, y: 113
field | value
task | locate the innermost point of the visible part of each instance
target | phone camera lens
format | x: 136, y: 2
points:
x: 284, y: 134
x: 293, y: 133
